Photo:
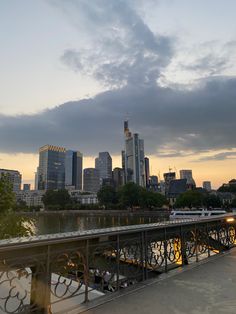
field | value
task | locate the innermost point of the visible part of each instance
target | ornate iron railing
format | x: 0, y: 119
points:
x: 51, y: 273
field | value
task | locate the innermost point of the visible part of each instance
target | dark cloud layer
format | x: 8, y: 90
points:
x: 197, y: 120
x: 124, y: 54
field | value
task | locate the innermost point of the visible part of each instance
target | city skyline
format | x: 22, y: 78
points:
x: 171, y: 66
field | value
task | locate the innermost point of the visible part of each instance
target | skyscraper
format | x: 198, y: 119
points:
x: 206, y: 185
x: 134, y: 157
x: 147, y: 171
x: 73, y: 169
x: 168, y: 177
x: 103, y: 163
x: 51, y: 170
x: 91, y: 180
x: 187, y: 174
x: 118, y: 177
x: 13, y: 176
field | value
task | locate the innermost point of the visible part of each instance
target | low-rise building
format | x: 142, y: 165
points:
x: 31, y: 197
x: 83, y: 198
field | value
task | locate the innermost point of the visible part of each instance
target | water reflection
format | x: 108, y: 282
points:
x: 65, y: 222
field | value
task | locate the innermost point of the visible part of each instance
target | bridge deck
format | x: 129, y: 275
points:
x: 208, y: 288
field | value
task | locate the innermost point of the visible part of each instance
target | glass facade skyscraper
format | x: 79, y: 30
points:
x: 134, y: 158
x: 104, y: 165
x: 73, y: 169
x: 91, y: 180
x: 51, y: 170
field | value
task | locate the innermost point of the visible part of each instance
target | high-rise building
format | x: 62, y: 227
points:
x: 206, y: 185
x: 91, y: 180
x: 103, y: 163
x: 73, y: 169
x: 51, y: 170
x: 153, y: 183
x: 187, y: 174
x: 118, y: 177
x: 168, y: 177
x: 134, y: 157
x: 13, y: 176
x: 147, y: 172
x: 26, y: 187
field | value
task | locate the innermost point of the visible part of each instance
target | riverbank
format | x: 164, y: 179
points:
x: 100, y: 212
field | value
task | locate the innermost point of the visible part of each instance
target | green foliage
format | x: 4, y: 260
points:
x: 54, y: 200
x: 152, y: 199
x: 7, y: 196
x: 107, y: 195
x: 233, y: 204
x: 212, y: 201
x: 230, y: 188
x: 13, y: 225
x: 190, y: 199
x: 130, y: 195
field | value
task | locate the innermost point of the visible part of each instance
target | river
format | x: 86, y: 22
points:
x: 66, y: 221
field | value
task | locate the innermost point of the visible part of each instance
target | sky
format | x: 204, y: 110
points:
x: 73, y: 70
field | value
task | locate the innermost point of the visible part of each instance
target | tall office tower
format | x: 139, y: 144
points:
x: 118, y: 177
x: 51, y: 170
x: 103, y: 163
x: 26, y: 187
x: 147, y: 172
x: 91, y: 180
x: 168, y: 177
x: 36, y: 179
x: 153, y: 183
x: 13, y: 176
x: 73, y: 169
x: 187, y: 174
x: 206, y: 185
x: 134, y: 157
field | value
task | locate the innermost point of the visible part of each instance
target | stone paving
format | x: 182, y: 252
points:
x: 209, y: 287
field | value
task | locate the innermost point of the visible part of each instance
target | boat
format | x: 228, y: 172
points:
x: 196, y: 213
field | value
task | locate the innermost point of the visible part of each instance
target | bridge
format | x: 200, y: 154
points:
x: 66, y: 272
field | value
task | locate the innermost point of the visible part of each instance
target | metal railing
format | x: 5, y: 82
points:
x: 52, y: 273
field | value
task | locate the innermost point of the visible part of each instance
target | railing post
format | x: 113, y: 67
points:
x: 196, y: 242
x: 165, y: 251
x: 183, y: 247
x: 208, y: 240
x: 142, y: 257
x: 146, y: 254
x: 118, y: 262
x: 41, y: 288
x: 86, y: 271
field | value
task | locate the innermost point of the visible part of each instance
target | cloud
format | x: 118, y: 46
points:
x: 117, y: 48
x: 120, y: 48
x: 168, y: 120
x: 218, y: 157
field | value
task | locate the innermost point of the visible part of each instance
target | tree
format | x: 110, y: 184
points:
x: 107, y: 195
x: 130, y: 195
x: 7, y: 196
x: 152, y: 199
x: 190, y: 199
x: 56, y: 199
x: 212, y: 201
x: 11, y: 224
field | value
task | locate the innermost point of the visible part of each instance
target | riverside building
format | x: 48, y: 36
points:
x: 134, y: 157
x: 51, y: 170
x: 73, y: 169
x: 91, y: 180
x: 13, y: 176
x: 103, y: 163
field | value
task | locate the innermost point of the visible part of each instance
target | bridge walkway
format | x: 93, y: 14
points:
x: 204, y: 288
